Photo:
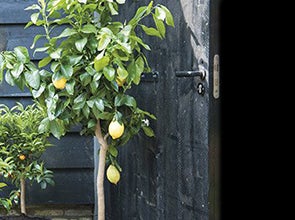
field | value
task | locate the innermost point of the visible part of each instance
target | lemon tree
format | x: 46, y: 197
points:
x: 87, y: 70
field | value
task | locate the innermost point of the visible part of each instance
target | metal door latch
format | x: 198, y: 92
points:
x: 201, y: 89
x: 192, y: 73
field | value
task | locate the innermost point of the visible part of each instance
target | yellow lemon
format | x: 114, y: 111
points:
x: 113, y: 174
x: 120, y: 81
x: 60, y: 83
x: 116, y: 129
x: 22, y: 157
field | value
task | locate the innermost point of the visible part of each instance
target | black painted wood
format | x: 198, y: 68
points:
x: 71, y: 187
x: 71, y: 151
x: 12, y: 11
x: 13, y: 35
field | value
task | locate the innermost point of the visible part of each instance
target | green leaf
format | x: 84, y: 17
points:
x: 146, y: 113
x: 100, y: 55
x: 139, y: 67
x: 51, y: 90
x: 109, y: 73
x: 85, y: 78
x: 44, y: 62
x: 169, y: 18
x: 95, y: 111
x: 125, y: 100
x: 160, y: 13
x: 30, y: 23
x: 67, y: 32
x: 57, y: 128
x: 99, y: 104
x: 33, y: 79
x: 40, y: 49
x: 70, y: 87
x: 106, y: 30
x: 90, y: 103
x: 91, y: 123
x: 51, y: 101
x: 33, y: 7
x: 80, y: 44
x: 79, y: 102
x: 105, y: 115
x: 121, y: 55
x: 160, y: 26
x: 103, y: 42
x: 1, y: 67
x: 93, y: 86
x: 151, y: 31
x: 148, y: 131
x: 2, y: 185
x: 54, y: 14
x: 74, y: 59
x: 89, y: 28
x: 122, y: 73
x: 137, y: 39
x: 120, y: 1
x: 34, y: 17
x: 99, y: 64
x: 126, y: 47
x: 112, y: 9
x: 9, y: 79
x: 44, y: 73
x: 37, y: 93
x: 139, y: 64
x: 139, y: 13
x: 17, y: 70
x: 61, y: 21
x: 56, y: 54
x: 113, y: 151
x: 44, y: 125
x: 97, y: 76
x: 126, y: 30
x: 86, y: 111
x: 22, y: 54
x: 90, y: 70
x: 20, y: 82
x: 36, y: 38
x: 66, y: 70
x: 54, y: 65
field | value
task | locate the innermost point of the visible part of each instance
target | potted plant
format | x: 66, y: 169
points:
x: 86, y: 73
x: 21, y: 146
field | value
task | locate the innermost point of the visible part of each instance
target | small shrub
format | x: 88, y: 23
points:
x: 21, y: 146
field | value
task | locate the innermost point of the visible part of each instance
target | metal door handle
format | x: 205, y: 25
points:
x: 193, y: 73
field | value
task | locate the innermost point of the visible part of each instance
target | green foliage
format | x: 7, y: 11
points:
x: 93, y: 53
x: 5, y: 202
x: 21, y: 146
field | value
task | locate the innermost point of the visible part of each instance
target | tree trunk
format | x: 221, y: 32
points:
x: 23, y: 196
x: 101, y: 170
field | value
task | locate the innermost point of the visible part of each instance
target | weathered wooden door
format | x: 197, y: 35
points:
x: 175, y: 175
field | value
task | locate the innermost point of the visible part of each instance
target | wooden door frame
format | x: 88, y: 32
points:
x: 214, y: 116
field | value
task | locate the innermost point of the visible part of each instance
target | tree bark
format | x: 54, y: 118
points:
x: 23, y: 196
x: 101, y: 170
